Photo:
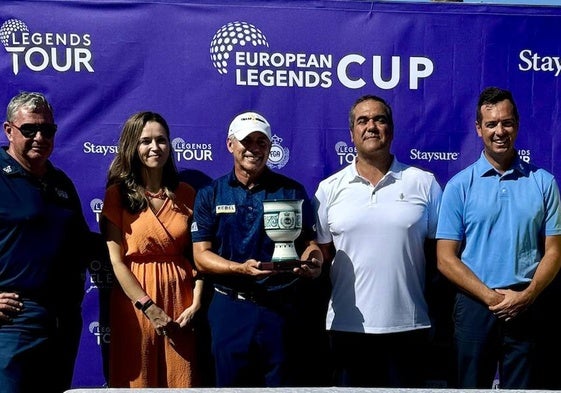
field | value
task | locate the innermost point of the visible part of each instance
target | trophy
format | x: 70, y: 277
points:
x: 283, y: 224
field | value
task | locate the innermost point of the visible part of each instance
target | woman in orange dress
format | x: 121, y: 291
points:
x: 145, y: 220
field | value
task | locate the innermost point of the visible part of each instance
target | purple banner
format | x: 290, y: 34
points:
x: 300, y: 63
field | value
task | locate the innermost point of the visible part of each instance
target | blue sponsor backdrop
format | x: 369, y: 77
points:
x: 300, y: 63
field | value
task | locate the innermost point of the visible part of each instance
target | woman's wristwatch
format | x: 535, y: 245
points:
x: 143, y: 303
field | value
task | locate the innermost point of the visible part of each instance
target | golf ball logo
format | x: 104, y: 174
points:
x: 228, y: 37
x: 9, y: 27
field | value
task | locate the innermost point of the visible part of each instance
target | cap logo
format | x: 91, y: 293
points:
x: 254, y: 118
x: 248, y: 122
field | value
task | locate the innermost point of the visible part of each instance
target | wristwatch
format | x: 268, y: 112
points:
x: 143, y: 303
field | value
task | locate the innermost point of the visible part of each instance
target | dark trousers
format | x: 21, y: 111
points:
x: 27, y: 363
x: 249, y: 342
x: 486, y: 344
x: 379, y: 360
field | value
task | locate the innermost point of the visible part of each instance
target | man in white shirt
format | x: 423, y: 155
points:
x: 374, y: 218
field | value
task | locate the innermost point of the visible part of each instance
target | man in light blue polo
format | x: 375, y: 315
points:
x: 499, y: 241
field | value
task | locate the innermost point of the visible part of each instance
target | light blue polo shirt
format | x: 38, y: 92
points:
x: 502, y: 218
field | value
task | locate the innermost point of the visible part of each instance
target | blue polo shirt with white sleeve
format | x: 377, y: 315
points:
x: 503, y: 219
x: 230, y: 215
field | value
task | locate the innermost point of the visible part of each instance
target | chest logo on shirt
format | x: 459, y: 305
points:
x: 225, y: 209
x: 61, y: 193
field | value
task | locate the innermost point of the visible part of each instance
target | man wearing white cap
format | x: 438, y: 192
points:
x: 252, y: 307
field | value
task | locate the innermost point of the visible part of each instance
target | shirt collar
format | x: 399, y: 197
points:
x: 9, y: 166
x: 262, y: 180
x: 395, y: 171
x: 484, y: 167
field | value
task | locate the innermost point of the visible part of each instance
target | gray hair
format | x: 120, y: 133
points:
x: 35, y: 102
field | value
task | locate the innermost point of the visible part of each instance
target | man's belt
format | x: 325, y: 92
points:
x: 262, y: 298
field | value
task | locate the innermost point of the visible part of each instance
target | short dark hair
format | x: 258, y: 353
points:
x: 492, y: 95
x: 368, y: 97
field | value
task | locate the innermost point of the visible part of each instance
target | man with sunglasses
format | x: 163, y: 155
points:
x: 41, y: 281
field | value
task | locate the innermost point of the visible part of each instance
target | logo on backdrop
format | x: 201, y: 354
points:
x: 422, y: 155
x: 345, y: 152
x: 240, y: 48
x: 101, y: 275
x: 538, y: 62
x: 186, y: 151
x: 102, y: 333
x: 93, y: 148
x: 524, y: 154
x: 231, y: 35
x: 96, y: 205
x: 38, y: 51
x: 279, y: 155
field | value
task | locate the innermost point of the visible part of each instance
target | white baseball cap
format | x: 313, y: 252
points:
x: 248, y: 122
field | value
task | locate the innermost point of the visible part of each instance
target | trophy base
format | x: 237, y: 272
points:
x: 286, y: 265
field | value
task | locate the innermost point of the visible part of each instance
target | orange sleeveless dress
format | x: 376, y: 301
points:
x: 153, y: 246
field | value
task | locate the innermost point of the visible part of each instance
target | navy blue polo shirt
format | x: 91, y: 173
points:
x: 41, y: 226
x: 230, y: 216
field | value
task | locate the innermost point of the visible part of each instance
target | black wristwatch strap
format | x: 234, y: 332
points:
x: 146, y: 305
x: 143, y: 303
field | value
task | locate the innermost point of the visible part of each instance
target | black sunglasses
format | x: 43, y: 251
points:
x: 29, y: 130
